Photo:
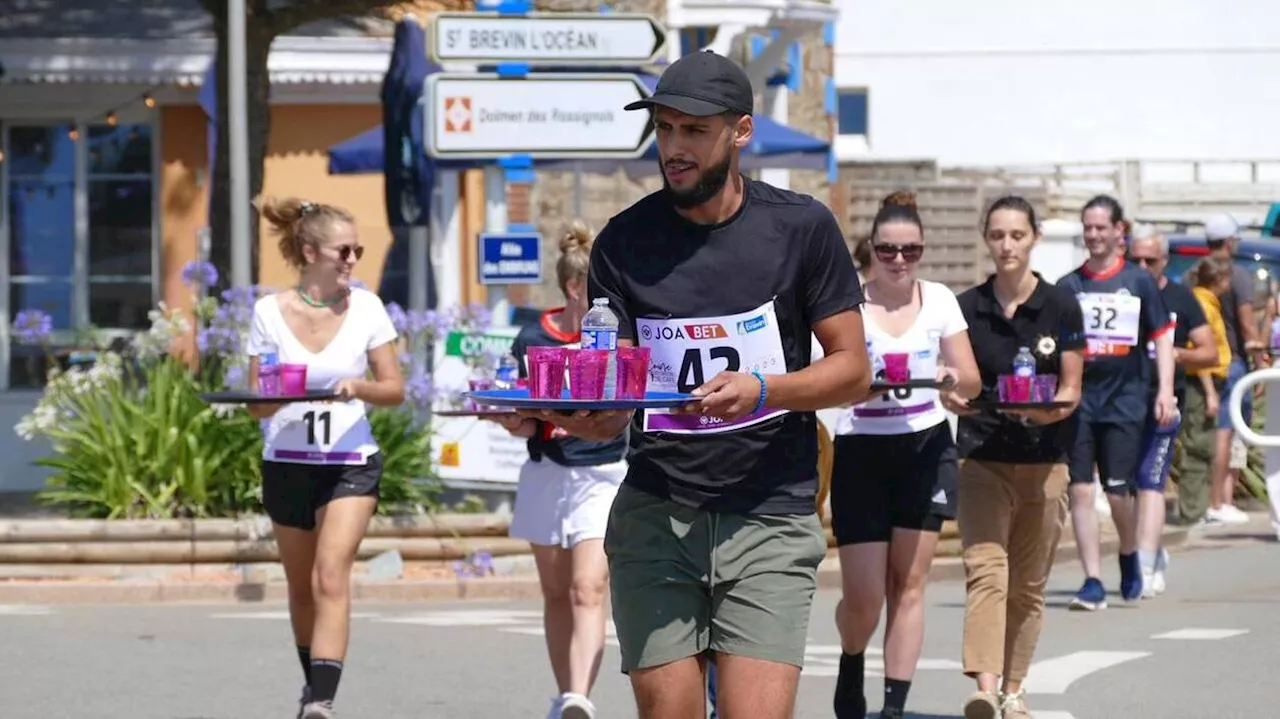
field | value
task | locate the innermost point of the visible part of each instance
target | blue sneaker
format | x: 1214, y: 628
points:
x: 1091, y: 597
x: 1130, y: 577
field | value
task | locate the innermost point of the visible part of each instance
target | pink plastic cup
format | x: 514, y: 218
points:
x: 1014, y: 388
x: 896, y: 367
x: 587, y: 373
x: 546, y: 372
x: 1046, y: 387
x: 477, y: 385
x: 633, y: 373
x: 293, y: 379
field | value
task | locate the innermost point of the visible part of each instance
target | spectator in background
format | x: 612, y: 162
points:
x: 1209, y: 278
x: 1193, y: 349
x: 1222, y: 233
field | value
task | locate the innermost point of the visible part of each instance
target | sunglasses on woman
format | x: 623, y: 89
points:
x: 346, y: 251
x: 886, y: 252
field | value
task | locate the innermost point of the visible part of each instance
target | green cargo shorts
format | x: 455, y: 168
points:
x: 685, y: 580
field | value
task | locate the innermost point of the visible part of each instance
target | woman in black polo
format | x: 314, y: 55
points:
x: 1013, y: 479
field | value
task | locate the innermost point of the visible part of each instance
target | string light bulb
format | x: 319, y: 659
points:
x: 112, y: 120
x: 74, y: 134
x: 1, y: 155
x: 149, y: 101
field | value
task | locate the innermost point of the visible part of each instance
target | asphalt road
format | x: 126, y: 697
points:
x: 1206, y: 648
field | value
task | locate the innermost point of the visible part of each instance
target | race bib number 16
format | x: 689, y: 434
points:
x: 686, y: 353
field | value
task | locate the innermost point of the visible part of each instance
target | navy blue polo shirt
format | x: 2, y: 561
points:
x: 1122, y: 310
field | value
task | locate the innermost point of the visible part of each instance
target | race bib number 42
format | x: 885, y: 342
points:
x: 319, y: 433
x: 686, y: 353
x: 1111, y: 322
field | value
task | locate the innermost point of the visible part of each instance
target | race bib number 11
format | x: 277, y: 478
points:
x: 687, y: 353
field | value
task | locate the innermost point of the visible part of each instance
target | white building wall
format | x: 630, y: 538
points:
x: 1006, y: 81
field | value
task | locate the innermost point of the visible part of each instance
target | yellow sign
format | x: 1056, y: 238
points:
x: 451, y: 454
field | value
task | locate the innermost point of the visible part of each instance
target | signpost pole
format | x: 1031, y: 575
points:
x: 495, y: 221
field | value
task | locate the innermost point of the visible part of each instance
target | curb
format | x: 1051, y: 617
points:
x: 488, y: 589
x: 951, y: 569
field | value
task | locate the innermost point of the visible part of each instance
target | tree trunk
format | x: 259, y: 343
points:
x: 258, y: 39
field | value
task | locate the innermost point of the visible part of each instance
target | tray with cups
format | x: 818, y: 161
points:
x: 289, y: 385
x: 586, y: 370
x: 1017, y: 393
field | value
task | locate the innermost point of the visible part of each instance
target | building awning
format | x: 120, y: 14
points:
x: 294, y: 60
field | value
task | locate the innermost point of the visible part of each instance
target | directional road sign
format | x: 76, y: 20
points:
x: 543, y: 115
x: 547, y: 38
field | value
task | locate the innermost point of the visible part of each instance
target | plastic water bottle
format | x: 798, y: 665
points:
x: 269, y: 374
x: 1024, y: 364
x: 508, y: 373
x: 600, y: 332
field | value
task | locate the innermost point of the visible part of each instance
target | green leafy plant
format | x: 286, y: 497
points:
x: 133, y: 439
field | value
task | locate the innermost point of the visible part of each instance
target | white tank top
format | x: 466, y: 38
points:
x: 324, y: 433
x: 907, y: 411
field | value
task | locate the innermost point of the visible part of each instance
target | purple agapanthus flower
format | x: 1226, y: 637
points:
x: 399, y: 319
x: 199, y: 274
x: 420, y: 391
x: 32, y: 326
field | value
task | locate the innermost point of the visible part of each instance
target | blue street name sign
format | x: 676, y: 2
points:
x: 513, y: 258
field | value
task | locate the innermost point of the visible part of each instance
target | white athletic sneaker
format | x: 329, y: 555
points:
x: 576, y: 706
x: 1157, y: 577
x: 1231, y: 514
x: 318, y: 710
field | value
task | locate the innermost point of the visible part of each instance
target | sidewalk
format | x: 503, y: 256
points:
x: 419, y: 582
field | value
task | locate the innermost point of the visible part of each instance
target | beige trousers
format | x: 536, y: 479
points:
x: 1010, y: 518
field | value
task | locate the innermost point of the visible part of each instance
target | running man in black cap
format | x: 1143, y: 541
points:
x: 713, y: 541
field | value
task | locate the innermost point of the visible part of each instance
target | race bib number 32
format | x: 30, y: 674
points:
x: 686, y: 353
x: 1111, y: 322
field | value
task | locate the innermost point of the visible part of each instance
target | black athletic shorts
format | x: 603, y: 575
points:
x: 293, y: 493
x: 883, y: 482
x: 1114, y: 448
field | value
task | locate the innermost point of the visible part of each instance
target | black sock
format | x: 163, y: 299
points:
x: 895, y: 694
x: 304, y: 656
x: 850, y: 702
x: 325, y: 674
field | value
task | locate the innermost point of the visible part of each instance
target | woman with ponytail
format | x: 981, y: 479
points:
x: 894, y: 475
x: 321, y: 465
x: 562, y: 502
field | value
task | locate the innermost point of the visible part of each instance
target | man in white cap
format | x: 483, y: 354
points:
x: 1222, y: 233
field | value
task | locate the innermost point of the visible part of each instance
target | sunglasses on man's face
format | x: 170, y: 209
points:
x: 886, y: 252
x: 346, y: 251
x: 1145, y: 261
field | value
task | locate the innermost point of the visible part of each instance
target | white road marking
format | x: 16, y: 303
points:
x: 278, y: 615
x: 1052, y: 715
x: 1053, y: 676
x: 25, y: 610
x: 1201, y: 634
x: 823, y: 660
x: 470, y: 618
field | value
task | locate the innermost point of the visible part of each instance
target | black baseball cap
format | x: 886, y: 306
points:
x: 702, y: 84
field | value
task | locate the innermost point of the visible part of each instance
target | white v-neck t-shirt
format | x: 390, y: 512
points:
x: 911, y: 410
x: 324, y: 433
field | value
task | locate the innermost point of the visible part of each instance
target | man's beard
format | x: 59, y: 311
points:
x: 707, y: 186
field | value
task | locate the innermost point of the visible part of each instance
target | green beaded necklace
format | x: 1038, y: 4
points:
x: 321, y: 303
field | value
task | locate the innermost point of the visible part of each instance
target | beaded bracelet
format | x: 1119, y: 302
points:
x: 764, y: 391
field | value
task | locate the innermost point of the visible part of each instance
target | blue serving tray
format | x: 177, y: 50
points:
x: 520, y: 399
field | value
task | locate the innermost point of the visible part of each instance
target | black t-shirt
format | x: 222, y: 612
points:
x: 565, y: 451
x: 743, y: 294
x: 1185, y: 310
x: 1122, y: 311
x: 1048, y: 323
